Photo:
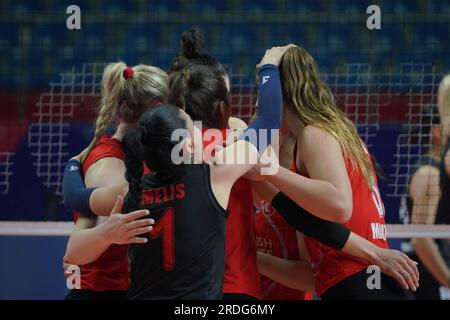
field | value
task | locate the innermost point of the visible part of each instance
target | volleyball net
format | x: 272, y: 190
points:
x: 368, y: 97
x: 64, y: 229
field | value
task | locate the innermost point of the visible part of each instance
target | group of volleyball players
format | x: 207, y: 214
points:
x: 148, y: 227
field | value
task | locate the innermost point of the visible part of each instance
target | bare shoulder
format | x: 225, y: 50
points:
x: 426, y: 172
x: 236, y: 123
x: 426, y: 178
x: 447, y: 162
x: 313, y: 137
x: 105, y: 172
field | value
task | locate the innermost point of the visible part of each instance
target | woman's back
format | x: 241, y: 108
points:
x: 184, y: 257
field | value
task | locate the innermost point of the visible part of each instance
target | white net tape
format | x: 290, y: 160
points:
x: 359, y: 90
x: 52, y: 229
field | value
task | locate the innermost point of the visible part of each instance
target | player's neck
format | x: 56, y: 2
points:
x: 297, y: 131
x: 294, y: 125
x: 122, y: 128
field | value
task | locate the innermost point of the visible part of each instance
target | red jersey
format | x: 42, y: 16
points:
x: 330, y: 266
x: 276, y: 237
x: 241, y: 269
x: 110, y: 271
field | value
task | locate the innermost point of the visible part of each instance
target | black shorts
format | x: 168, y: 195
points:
x: 237, y: 296
x: 355, y: 288
x: 85, y: 294
x: 428, y: 286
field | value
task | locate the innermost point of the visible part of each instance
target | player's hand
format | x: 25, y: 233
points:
x: 123, y: 228
x: 269, y: 159
x: 274, y: 55
x: 254, y: 174
x: 399, y: 266
x: 66, y: 266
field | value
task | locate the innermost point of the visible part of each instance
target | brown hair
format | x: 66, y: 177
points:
x: 199, y: 89
x: 312, y: 101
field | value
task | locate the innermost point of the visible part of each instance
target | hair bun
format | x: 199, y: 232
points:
x: 128, y: 73
x: 192, y: 43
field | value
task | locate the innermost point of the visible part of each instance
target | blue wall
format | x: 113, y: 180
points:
x: 31, y: 267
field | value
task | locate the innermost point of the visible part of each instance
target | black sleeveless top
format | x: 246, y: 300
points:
x: 426, y: 160
x: 185, y: 255
x: 443, y: 214
x: 406, y: 205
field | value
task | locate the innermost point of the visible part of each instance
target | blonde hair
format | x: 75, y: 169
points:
x: 128, y: 98
x: 312, y: 101
x: 444, y: 104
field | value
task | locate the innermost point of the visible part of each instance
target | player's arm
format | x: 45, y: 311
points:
x: 425, y: 194
x: 447, y: 163
x: 235, y: 160
x: 327, y: 232
x: 327, y: 193
x: 88, y: 241
x: 90, y: 201
x: 294, y: 274
x: 391, y: 262
x: 104, y: 172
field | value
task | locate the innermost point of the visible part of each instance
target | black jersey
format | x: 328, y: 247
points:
x: 443, y: 214
x: 429, y: 287
x: 185, y: 255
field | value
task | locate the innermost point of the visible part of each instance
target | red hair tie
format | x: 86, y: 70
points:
x: 128, y: 73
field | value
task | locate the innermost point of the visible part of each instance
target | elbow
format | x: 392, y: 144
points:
x: 343, y: 211
x: 72, y: 258
x: 68, y: 260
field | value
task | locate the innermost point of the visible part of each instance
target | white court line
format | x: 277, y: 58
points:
x: 50, y: 229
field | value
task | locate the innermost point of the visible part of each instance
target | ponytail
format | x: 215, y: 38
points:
x: 127, y: 92
x: 151, y: 143
x: 192, y: 52
x: 133, y: 149
x: 112, y: 82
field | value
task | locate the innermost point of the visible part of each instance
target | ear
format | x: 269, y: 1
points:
x: 223, y: 114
